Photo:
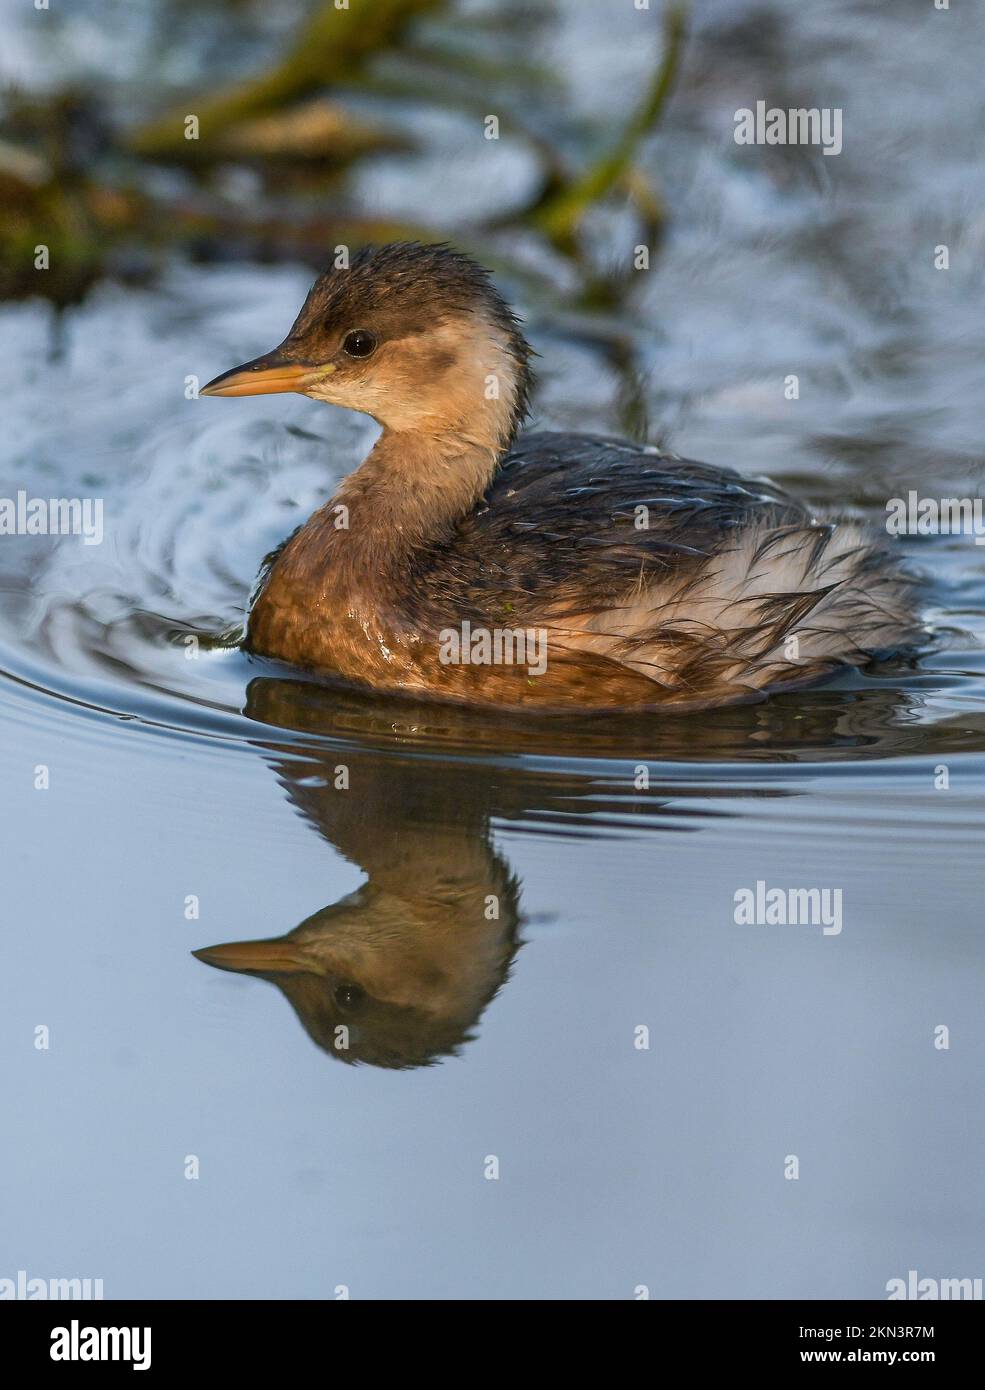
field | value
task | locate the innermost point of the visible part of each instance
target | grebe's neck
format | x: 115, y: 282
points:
x: 413, y: 488
x: 407, y: 495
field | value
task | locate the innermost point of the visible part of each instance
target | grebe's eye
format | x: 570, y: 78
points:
x: 349, y: 996
x: 359, y: 343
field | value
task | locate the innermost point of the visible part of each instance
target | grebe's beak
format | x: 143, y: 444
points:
x: 271, y: 957
x: 263, y: 376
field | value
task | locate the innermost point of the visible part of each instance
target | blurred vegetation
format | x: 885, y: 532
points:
x: 108, y: 195
x: 333, y: 46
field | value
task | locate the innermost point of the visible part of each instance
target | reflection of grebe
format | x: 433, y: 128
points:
x: 655, y: 580
x: 397, y: 973
x: 409, y: 963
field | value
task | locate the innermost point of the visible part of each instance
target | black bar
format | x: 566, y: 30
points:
x: 260, y: 1336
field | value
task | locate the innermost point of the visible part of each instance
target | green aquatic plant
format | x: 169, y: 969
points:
x: 559, y: 214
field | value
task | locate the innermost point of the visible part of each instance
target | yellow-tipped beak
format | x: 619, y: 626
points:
x: 261, y: 377
x: 265, y: 957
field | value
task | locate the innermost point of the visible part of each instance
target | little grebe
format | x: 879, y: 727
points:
x: 551, y: 571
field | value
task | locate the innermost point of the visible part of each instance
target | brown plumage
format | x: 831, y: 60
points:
x: 553, y: 571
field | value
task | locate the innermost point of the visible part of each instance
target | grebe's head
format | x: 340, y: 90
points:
x: 415, y: 336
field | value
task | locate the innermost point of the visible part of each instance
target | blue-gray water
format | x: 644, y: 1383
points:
x: 214, y: 777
